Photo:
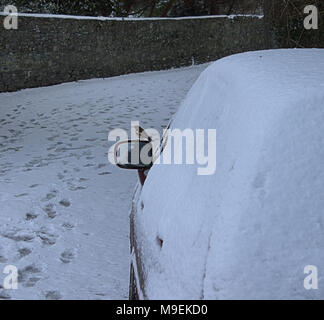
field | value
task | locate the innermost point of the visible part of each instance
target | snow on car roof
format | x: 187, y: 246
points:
x: 249, y: 230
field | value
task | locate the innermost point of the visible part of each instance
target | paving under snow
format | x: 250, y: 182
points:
x: 63, y: 207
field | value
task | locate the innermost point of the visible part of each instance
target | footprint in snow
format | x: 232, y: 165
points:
x: 52, y: 194
x: 4, y: 295
x: 21, y: 195
x: 46, y: 237
x: 29, y: 276
x: 50, y: 211
x: 23, y: 252
x: 67, y: 256
x: 53, y: 295
x: 65, y: 203
x: 31, y: 216
x: 18, y: 235
x: 68, y: 225
x: 2, y: 258
x: 104, y: 173
x: 34, y: 186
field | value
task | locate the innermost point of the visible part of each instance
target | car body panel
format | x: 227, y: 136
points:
x: 249, y: 230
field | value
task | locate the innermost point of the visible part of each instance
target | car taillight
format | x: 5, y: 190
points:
x: 142, y: 175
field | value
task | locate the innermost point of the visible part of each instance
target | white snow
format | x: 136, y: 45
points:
x: 62, y: 16
x: 249, y: 230
x: 63, y: 208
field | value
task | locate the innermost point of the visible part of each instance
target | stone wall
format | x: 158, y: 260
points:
x: 47, y: 50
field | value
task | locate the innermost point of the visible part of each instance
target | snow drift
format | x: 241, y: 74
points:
x: 248, y: 231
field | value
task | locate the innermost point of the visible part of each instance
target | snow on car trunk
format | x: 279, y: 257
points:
x: 249, y: 230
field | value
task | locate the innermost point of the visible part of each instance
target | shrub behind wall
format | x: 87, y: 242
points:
x: 285, y: 24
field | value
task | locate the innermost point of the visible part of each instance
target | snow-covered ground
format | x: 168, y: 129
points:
x: 63, y: 208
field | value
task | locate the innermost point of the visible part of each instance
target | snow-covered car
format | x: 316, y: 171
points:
x: 255, y: 228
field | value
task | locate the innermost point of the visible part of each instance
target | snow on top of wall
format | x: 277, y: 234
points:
x: 249, y: 230
x: 59, y: 16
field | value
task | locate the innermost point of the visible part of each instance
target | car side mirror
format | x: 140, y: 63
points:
x: 134, y: 154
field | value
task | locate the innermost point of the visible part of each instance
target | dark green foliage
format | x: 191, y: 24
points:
x: 137, y: 7
x: 75, y: 7
x: 285, y: 20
